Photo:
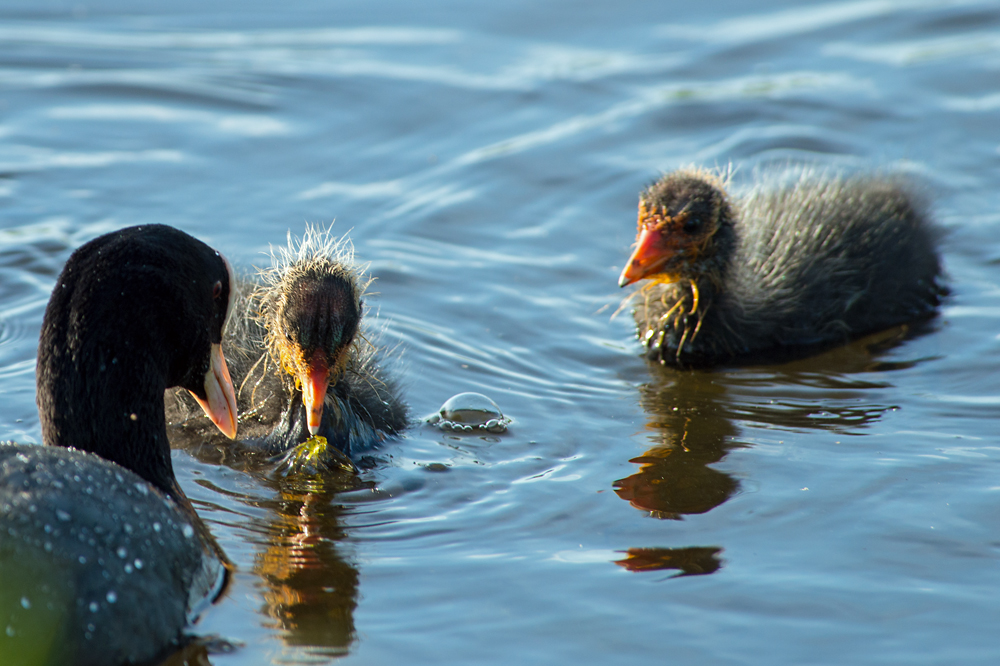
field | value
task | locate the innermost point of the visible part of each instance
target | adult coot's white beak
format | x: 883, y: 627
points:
x: 220, y: 405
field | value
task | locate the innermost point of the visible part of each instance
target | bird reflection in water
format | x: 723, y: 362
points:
x: 199, y: 650
x: 311, y: 590
x: 688, y: 561
x: 675, y: 479
x: 693, y: 417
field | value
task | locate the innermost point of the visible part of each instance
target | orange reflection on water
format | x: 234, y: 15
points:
x: 695, y: 561
x: 311, y: 589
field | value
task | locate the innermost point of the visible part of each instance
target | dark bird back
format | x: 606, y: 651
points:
x: 785, y: 269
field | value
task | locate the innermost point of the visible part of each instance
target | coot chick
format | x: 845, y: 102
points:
x: 781, y: 271
x: 301, y: 360
x: 102, y: 558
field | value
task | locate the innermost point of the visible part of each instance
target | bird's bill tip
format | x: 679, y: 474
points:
x: 314, y: 386
x: 627, y: 278
x: 220, y: 401
x: 648, y: 257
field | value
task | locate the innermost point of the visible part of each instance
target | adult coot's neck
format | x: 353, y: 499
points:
x: 131, y: 314
x: 106, y: 398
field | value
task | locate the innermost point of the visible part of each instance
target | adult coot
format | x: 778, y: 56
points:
x: 102, y: 558
x: 302, y: 363
x: 799, y: 265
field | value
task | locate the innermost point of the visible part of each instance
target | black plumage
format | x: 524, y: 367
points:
x: 102, y: 558
x: 791, y: 266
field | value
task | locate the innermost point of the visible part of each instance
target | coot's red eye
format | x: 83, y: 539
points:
x: 217, y: 289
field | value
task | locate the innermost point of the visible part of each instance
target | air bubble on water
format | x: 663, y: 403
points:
x: 112, y: 597
x: 122, y: 553
x: 93, y: 606
x: 187, y: 531
x: 470, y: 412
x: 25, y: 603
x: 138, y: 563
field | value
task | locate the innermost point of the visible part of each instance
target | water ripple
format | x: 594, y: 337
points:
x: 20, y: 159
x: 212, y: 40
x: 767, y: 26
x: 904, y: 54
x: 246, y: 125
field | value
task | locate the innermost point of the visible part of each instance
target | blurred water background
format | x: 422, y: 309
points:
x: 486, y: 160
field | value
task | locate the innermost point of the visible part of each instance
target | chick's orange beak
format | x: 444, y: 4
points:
x: 314, y: 385
x: 653, y: 249
x: 220, y: 402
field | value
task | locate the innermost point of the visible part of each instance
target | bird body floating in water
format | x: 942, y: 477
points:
x: 780, y: 271
x: 303, y: 364
x: 102, y: 558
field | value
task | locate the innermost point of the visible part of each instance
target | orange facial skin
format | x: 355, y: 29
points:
x: 313, y: 373
x: 666, y: 249
x: 658, y: 242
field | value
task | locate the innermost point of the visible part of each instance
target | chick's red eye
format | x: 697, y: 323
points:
x: 217, y: 289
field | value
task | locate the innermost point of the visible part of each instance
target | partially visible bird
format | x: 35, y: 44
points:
x: 784, y: 269
x: 103, y: 560
x: 302, y: 362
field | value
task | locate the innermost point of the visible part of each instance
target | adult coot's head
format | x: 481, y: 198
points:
x: 683, y: 217
x: 311, y: 308
x: 134, y: 312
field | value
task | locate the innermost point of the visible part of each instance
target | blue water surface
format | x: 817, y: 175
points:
x: 486, y: 160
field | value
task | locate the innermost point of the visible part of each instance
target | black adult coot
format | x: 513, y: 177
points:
x: 783, y: 270
x: 301, y: 361
x: 102, y: 558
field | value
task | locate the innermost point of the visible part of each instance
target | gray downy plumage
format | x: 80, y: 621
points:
x: 362, y: 407
x: 796, y: 265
